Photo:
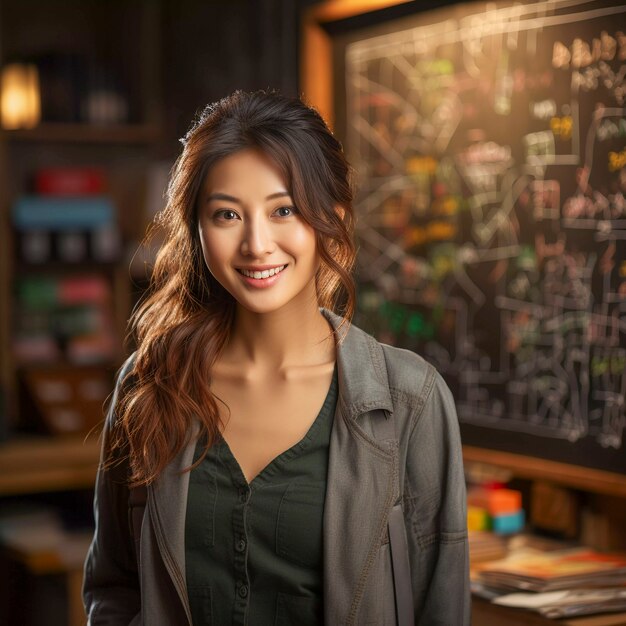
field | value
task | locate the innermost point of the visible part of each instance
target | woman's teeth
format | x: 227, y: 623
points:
x: 264, y: 273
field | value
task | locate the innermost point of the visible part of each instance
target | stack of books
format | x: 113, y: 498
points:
x: 563, y: 583
x: 568, y: 603
x: 68, y: 220
x: 68, y: 241
x: 486, y: 546
x: 64, y: 317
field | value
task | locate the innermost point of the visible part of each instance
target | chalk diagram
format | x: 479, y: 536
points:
x: 491, y: 158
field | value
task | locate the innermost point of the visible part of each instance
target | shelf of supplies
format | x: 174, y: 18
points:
x: 85, y: 133
x: 41, y: 464
x: 56, y: 267
x: 578, y: 477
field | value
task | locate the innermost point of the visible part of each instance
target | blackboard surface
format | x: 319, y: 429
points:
x: 489, y: 143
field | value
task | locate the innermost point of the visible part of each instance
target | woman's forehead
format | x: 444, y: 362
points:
x: 248, y: 168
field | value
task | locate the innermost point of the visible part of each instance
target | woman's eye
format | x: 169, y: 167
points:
x: 285, y: 211
x: 226, y: 214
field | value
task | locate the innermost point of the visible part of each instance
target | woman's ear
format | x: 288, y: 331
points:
x: 340, y: 211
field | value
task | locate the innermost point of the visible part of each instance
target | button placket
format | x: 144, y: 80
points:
x: 242, y: 584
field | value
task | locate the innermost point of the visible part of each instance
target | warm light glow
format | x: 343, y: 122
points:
x: 20, y: 103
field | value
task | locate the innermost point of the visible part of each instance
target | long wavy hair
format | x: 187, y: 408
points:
x: 184, y: 319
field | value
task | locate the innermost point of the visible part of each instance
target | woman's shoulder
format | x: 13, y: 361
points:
x: 418, y: 385
x: 411, y: 377
x: 409, y: 373
x: 128, y: 363
x: 122, y: 382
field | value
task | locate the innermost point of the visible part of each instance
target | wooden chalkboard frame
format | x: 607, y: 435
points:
x: 316, y: 67
x: 316, y: 85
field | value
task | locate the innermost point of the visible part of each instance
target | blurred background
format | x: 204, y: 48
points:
x: 94, y: 98
x: 489, y: 141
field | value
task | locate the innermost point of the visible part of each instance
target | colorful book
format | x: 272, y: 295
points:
x: 69, y: 181
x: 78, y: 289
x: 59, y: 214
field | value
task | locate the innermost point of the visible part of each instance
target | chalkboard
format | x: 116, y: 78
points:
x: 489, y: 143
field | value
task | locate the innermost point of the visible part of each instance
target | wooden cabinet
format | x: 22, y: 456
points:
x: 99, y: 76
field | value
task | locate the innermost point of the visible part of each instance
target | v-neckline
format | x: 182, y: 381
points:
x: 290, y: 452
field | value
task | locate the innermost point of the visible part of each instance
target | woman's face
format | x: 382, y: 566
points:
x: 247, y: 222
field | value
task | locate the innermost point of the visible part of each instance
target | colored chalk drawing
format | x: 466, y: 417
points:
x: 490, y: 149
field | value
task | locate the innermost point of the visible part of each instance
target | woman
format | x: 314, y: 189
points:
x: 284, y: 454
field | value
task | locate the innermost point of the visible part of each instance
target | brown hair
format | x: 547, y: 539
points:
x: 184, y: 318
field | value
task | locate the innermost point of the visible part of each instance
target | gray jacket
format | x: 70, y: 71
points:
x: 367, y: 476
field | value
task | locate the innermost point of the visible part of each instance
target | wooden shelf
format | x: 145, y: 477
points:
x: 67, y: 268
x: 42, y: 464
x: 578, y: 477
x: 85, y: 133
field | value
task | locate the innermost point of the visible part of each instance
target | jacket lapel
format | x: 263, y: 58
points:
x: 362, y: 475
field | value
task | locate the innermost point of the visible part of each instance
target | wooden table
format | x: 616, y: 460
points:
x: 39, y: 464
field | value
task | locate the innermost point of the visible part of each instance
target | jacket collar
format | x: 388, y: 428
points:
x: 362, y: 371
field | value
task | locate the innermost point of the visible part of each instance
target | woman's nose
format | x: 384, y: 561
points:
x: 257, y: 239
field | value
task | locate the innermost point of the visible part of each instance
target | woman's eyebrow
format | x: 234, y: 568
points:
x: 225, y: 196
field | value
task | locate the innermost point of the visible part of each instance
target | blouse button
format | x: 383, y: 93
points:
x: 243, y: 591
x: 241, y: 545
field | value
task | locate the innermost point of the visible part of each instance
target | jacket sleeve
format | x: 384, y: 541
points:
x: 436, y: 511
x: 111, y: 583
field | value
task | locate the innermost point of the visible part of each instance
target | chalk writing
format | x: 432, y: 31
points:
x: 489, y: 148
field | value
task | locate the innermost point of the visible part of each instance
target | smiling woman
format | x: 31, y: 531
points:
x: 244, y: 246
x: 270, y: 455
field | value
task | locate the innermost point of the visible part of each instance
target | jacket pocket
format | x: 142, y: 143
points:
x: 201, y: 603
x: 298, y: 610
x: 299, y: 525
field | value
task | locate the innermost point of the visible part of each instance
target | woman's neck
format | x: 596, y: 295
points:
x: 295, y: 336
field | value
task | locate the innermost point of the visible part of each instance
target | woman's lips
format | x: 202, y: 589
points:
x: 262, y: 282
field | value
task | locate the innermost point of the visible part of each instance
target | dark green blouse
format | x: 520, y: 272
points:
x: 254, y: 552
